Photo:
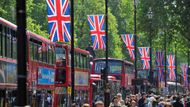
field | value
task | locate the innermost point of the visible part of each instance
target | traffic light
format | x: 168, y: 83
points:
x: 60, y: 76
x: 103, y: 73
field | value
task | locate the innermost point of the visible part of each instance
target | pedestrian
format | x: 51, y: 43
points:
x: 161, y: 102
x: 99, y: 104
x: 119, y: 96
x: 141, y: 102
x: 184, y: 100
x: 74, y: 105
x: 133, y: 103
x: 150, y: 101
x: 85, y: 105
x: 127, y: 102
x: 115, y: 102
x: 177, y: 103
x: 188, y: 102
x: 122, y: 103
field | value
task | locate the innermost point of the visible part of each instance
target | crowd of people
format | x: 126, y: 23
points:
x: 147, y: 100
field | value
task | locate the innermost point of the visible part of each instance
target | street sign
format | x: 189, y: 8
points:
x: 69, y: 90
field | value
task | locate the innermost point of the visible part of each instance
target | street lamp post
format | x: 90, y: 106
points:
x: 150, y: 15
x: 106, y: 83
x: 72, y: 53
x: 21, y: 99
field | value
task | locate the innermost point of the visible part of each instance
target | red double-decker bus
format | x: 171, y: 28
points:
x: 63, y: 76
x: 48, y: 70
x: 40, y: 60
x: 96, y: 87
x: 121, y: 70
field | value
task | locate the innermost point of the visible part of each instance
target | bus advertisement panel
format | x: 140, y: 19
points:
x: 8, y: 72
x: 81, y: 78
x: 46, y: 76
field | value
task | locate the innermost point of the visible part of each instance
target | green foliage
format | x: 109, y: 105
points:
x: 170, y: 19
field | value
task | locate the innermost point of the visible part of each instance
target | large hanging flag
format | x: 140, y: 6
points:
x: 144, y: 52
x: 97, y: 31
x: 128, y: 39
x: 171, y: 67
x: 59, y: 20
x: 160, y: 64
x: 184, y: 68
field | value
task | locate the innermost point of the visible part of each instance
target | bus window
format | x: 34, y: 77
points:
x: 1, y: 36
x: 75, y: 59
x: 70, y: 59
x: 128, y: 69
x: 53, y: 56
x: 4, y: 41
x: 88, y: 62
x: 50, y: 55
x: 8, y: 45
x: 114, y: 67
x: 142, y: 73
x: 12, y: 36
x: 31, y: 51
x: 44, y: 56
x: 78, y: 60
x: 98, y: 66
x: 82, y: 61
x: 60, y: 56
x: 60, y: 76
x: 39, y: 52
x: 14, y: 40
x: 36, y: 51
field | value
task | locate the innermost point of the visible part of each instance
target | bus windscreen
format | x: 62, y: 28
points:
x: 114, y: 67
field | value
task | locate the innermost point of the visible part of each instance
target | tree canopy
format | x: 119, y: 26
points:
x: 170, y: 18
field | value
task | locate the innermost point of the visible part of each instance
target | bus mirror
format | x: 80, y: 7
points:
x: 94, y: 84
x: 91, y: 63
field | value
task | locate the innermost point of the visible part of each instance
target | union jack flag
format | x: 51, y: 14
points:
x: 96, y: 23
x: 144, y: 52
x: 184, y: 68
x: 160, y: 64
x: 171, y: 67
x: 128, y: 39
x: 59, y: 20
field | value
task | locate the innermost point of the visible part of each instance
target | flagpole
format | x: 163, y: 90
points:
x: 72, y: 53
x: 21, y: 99
x: 165, y: 47
x: 106, y: 85
x: 176, y: 67
x: 150, y: 41
x: 135, y: 43
x: 188, y: 69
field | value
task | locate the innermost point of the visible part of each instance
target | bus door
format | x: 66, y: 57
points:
x: 61, y: 97
x: 81, y: 97
x: 96, y: 91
